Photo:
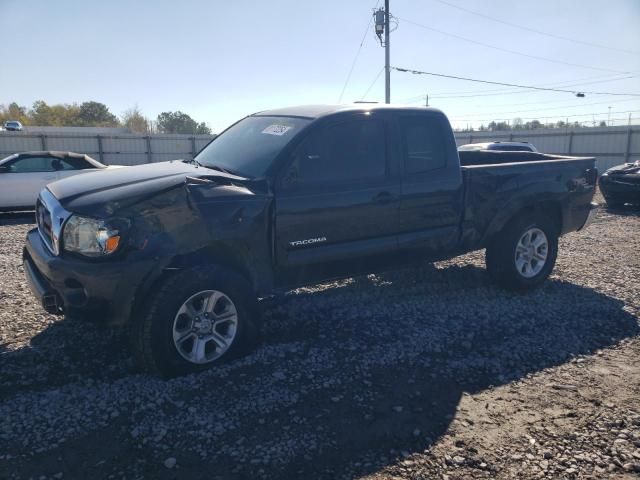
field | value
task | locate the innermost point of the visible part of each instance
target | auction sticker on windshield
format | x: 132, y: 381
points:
x: 276, y: 130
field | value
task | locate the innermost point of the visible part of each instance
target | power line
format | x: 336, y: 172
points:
x: 513, y: 92
x: 355, y: 59
x: 530, y: 87
x: 579, y: 122
x: 553, y: 101
x: 502, y: 91
x: 487, y: 45
x: 555, y: 108
x: 537, y: 117
x: 372, y: 84
x: 565, y: 83
x: 539, y: 32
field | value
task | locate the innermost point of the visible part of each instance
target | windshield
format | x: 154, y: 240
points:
x: 248, y: 148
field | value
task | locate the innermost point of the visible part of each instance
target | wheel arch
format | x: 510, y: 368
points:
x: 548, y: 208
x: 212, y: 255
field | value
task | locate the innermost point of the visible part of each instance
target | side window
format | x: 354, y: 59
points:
x: 352, y: 150
x: 424, y: 147
x: 70, y: 163
x: 306, y: 164
x: 32, y: 164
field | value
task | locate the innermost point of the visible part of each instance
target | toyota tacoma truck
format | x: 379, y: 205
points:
x: 180, y: 252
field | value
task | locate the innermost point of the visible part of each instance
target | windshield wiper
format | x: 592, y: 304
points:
x: 223, y: 170
x: 194, y: 161
x: 214, y: 167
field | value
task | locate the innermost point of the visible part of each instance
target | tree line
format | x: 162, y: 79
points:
x: 518, y: 124
x: 96, y: 114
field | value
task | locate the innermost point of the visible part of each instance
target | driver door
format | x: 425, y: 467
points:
x: 338, y: 203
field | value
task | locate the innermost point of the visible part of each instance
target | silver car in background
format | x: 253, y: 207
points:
x: 23, y: 175
x: 499, y: 146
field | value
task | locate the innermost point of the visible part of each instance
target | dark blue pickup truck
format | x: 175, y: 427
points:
x: 180, y: 251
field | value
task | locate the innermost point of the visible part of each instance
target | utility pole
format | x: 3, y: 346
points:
x: 382, y: 26
x: 426, y: 102
x: 609, y: 118
x: 387, y: 55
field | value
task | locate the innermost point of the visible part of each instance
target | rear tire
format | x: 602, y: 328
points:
x: 198, y: 318
x: 524, y: 253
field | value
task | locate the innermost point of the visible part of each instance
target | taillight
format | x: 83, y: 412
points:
x: 591, y: 175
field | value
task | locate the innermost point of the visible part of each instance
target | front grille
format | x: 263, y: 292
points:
x: 43, y: 217
x: 50, y: 217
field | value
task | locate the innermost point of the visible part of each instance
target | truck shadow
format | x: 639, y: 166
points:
x: 625, y: 210
x: 356, y: 376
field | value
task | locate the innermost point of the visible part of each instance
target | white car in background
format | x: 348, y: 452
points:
x: 23, y: 175
x: 499, y: 146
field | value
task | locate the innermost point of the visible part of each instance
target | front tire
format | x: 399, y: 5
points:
x: 197, y: 318
x: 524, y: 253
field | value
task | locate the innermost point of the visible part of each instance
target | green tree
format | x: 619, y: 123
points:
x: 41, y: 113
x: 135, y: 121
x: 499, y: 126
x: 532, y: 125
x: 13, y: 111
x: 58, y: 115
x: 179, y: 122
x: 203, y: 129
x: 96, y: 114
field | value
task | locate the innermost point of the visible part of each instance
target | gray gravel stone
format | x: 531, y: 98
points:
x: 435, y: 345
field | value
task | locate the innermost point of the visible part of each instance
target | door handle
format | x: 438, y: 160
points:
x: 382, y: 197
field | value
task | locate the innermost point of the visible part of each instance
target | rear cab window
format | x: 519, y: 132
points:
x: 423, y: 144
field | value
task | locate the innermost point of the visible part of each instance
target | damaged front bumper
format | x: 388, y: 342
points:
x: 104, y: 290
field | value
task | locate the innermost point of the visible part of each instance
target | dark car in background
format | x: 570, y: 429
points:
x: 621, y: 184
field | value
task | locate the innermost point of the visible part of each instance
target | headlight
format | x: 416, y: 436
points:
x: 90, y: 237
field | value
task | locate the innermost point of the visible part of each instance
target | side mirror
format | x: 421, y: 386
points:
x: 291, y: 176
x: 4, y: 169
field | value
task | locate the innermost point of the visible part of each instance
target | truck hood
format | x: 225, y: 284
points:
x: 106, y: 191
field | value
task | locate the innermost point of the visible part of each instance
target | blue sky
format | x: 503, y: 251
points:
x: 219, y: 61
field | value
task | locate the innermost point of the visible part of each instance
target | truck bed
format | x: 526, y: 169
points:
x: 495, y: 190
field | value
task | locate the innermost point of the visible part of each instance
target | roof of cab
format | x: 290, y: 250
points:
x: 317, y: 111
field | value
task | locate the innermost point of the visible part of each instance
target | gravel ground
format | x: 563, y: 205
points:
x: 430, y: 373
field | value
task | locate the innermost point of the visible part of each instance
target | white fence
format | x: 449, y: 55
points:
x: 127, y: 149
x: 611, y: 145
